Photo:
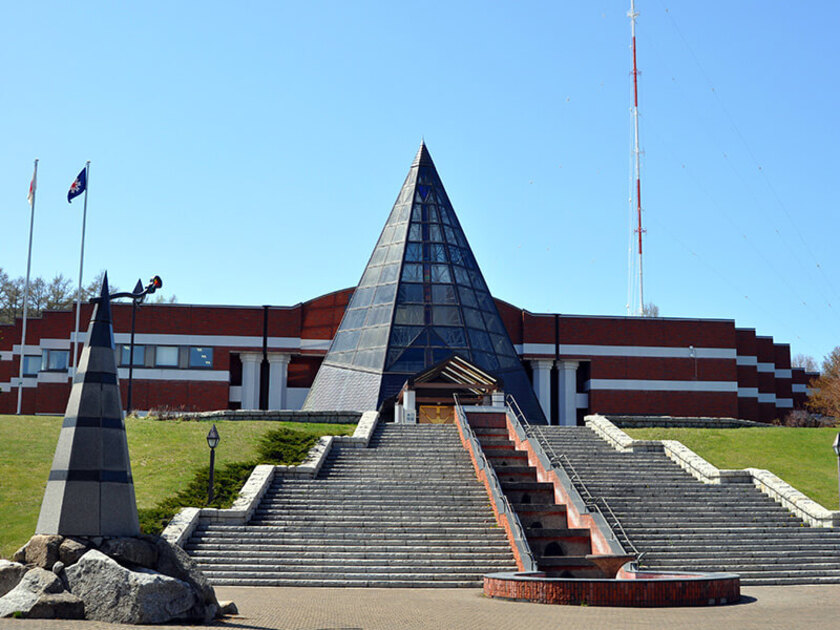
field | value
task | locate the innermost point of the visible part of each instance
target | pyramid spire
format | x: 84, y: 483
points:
x: 90, y: 491
x: 421, y: 299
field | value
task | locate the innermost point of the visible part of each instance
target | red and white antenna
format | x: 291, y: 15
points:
x: 637, y: 194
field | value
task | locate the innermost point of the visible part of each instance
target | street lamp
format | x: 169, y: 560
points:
x: 836, y: 447
x: 212, y: 442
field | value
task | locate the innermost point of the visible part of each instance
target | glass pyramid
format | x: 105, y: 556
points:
x: 421, y: 299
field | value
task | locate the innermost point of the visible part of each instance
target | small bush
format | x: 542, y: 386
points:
x: 278, y: 446
x: 802, y: 418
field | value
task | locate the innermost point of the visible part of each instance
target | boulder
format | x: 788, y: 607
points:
x: 41, y: 594
x: 20, y: 555
x: 227, y: 608
x: 71, y: 550
x: 10, y: 575
x: 131, y: 552
x: 42, y: 550
x: 115, y: 594
x: 174, y: 562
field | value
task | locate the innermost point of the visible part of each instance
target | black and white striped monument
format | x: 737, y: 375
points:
x: 90, y: 491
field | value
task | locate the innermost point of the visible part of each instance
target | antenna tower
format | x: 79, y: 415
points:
x: 637, y: 194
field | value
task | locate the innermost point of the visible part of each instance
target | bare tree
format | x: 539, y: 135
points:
x: 804, y: 361
x: 650, y: 310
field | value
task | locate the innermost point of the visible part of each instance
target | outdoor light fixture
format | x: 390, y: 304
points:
x: 212, y: 442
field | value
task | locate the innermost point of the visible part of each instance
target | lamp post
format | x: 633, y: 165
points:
x: 135, y: 302
x: 836, y: 447
x: 212, y: 442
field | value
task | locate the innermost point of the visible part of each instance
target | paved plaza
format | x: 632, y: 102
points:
x: 762, y: 607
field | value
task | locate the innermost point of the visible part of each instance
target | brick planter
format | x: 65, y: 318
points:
x: 639, y: 590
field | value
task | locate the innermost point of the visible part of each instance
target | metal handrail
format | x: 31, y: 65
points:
x: 502, y: 502
x: 589, y: 499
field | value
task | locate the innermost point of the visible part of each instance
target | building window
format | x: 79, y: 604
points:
x: 166, y: 356
x: 54, y: 360
x: 139, y: 354
x: 31, y: 365
x: 201, y: 357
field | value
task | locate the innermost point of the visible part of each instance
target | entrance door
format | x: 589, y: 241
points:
x: 436, y: 414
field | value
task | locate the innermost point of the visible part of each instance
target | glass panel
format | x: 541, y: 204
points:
x: 404, y: 335
x: 166, y: 356
x: 486, y: 360
x: 346, y: 340
x: 477, y: 282
x: 387, y: 235
x: 444, y: 294
x: 378, y: 256
x: 446, y: 315
x: 494, y: 324
x: 404, y: 210
x: 452, y: 337
x: 139, y: 354
x: 506, y: 361
x: 199, y: 357
x: 485, y: 301
x: 413, y: 252
x: 501, y: 345
x: 450, y: 236
x: 417, y: 212
x: 433, y: 214
x: 435, y: 233
x: 412, y: 360
x: 361, y: 298
x: 467, y: 295
x: 369, y: 358
x: 415, y: 233
x: 342, y: 357
x: 456, y: 255
x: 389, y: 273
x: 439, y: 355
x: 394, y: 253
x: 385, y: 294
x: 353, y: 319
x: 373, y: 337
x: 461, y: 276
x: 438, y: 252
x: 409, y: 315
x: 480, y: 340
x: 440, y: 273
x: 412, y: 273
x: 410, y: 293
x: 378, y: 315
x: 444, y: 214
x: 473, y: 318
x: 31, y: 365
x: 370, y: 277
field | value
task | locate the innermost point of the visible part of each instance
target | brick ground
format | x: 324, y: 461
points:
x: 764, y: 608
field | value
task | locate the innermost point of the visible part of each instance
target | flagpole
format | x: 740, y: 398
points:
x: 81, y: 270
x: 33, y: 188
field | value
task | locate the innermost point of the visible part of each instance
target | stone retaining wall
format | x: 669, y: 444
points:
x: 642, y: 422
x: 286, y: 415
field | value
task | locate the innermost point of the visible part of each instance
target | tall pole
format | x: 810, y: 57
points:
x: 32, y: 187
x: 138, y: 288
x: 81, y: 269
x: 637, y: 155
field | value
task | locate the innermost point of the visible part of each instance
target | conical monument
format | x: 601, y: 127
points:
x: 421, y: 298
x: 90, y: 491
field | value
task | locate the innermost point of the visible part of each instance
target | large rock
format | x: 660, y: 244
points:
x: 131, y: 552
x: 115, y: 594
x: 10, y: 575
x: 40, y: 594
x: 175, y: 562
x: 71, y: 550
x: 42, y: 550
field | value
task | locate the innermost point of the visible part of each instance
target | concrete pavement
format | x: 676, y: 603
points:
x: 764, y: 608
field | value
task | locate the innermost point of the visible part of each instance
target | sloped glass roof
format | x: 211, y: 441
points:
x: 422, y: 296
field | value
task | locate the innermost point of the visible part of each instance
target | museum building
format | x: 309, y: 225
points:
x: 421, y: 299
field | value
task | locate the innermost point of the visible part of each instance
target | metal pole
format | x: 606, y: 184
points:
x: 81, y: 268
x: 131, y: 358
x: 26, y: 287
x: 210, y: 484
x: 637, y: 153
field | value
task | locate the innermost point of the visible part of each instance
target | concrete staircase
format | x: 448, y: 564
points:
x: 681, y: 523
x: 406, y: 512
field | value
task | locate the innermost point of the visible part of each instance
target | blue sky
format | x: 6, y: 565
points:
x: 249, y: 153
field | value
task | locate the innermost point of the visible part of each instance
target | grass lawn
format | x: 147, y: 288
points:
x: 164, y: 458
x: 803, y: 457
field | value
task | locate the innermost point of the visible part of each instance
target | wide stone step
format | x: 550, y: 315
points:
x: 295, y: 554
x: 400, y: 582
x: 330, y: 546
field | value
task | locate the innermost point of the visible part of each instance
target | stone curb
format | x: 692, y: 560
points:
x: 780, y: 491
x: 184, y: 523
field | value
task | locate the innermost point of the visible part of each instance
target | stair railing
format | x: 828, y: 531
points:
x: 588, y: 498
x: 497, y: 495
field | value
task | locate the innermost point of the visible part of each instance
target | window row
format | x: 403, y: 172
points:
x: 145, y: 356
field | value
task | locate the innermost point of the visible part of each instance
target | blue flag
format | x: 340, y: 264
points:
x: 78, y: 186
